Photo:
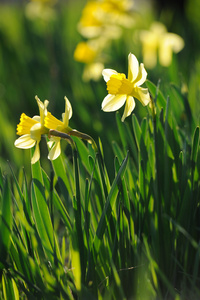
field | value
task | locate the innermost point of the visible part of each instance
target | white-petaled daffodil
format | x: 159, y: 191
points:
x: 123, y: 90
x: 157, y: 42
x: 31, y: 130
x: 54, y: 124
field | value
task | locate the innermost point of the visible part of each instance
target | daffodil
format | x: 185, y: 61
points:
x: 123, y: 90
x: 85, y: 52
x: 53, y: 123
x: 103, y: 18
x: 158, y: 42
x: 31, y: 130
x: 89, y: 53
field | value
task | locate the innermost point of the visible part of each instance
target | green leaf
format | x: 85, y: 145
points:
x: 122, y: 130
x: 112, y: 196
x: 195, y: 145
x: 62, y: 177
x: 5, y: 221
x: 155, y: 92
x: 40, y: 208
x: 137, y: 130
x: 10, y: 290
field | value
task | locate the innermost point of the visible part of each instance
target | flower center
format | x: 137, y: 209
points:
x: 118, y: 84
x: 25, y: 124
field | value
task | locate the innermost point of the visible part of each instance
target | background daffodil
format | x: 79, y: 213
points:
x: 122, y: 89
x: 31, y: 130
x: 158, y: 42
x: 53, y: 123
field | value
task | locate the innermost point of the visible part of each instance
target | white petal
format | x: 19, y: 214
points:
x: 129, y: 107
x: 42, y: 108
x: 93, y: 71
x: 170, y: 42
x: 113, y: 102
x: 142, y: 76
x: 36, y: 118
x: 133, y: 67
x: 55, y: 151
x: 50, y: 143
x: 36, y: 155
x: 68, y: 107
x: 107, y: 73
x: 25, y: 142
x: 142, y: 95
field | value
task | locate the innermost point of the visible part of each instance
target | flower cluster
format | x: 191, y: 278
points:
x: 101, y: 22
x: 32, y: 129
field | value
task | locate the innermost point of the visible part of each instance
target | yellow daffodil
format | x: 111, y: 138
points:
x: 53, y: 123
x: 85, y: 52
x: 31, y: 130
x: 158, y: 41
x: 122, y: 89
x: 90, y: 54
x: 103, y: 18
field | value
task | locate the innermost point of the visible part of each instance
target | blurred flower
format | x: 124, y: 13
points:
x: 157, y: 39
x: 121, y: 90
x: 53, y: 123
x: 90, y: 54
x: 40, y: 9
x: 93, y: 71
x: 86, y: 52
x: 104, y: 17
x: 31, y: 130
x: 101, y: 22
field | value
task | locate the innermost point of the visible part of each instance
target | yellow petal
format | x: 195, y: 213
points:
x: 36, y: 155
x: 107, y: 73
x: 133, y: 67
x: 113, y: 102
x: 55, y: 150
x: 129, y: 107
x: 25, y: 142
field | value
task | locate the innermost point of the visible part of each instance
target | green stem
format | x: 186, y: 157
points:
x: 84, y: 136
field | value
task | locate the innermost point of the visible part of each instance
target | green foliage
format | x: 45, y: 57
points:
x: 122, y: 223
x: 81, y: 233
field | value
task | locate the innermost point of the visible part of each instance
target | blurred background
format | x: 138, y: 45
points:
x: 37, y: 44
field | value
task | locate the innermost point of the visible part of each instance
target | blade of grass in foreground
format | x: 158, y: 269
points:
x: 40, y: 208
x: 61, y: 175
x: 5, y: 222
x: 10, y: 290
x: 112, y: 196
